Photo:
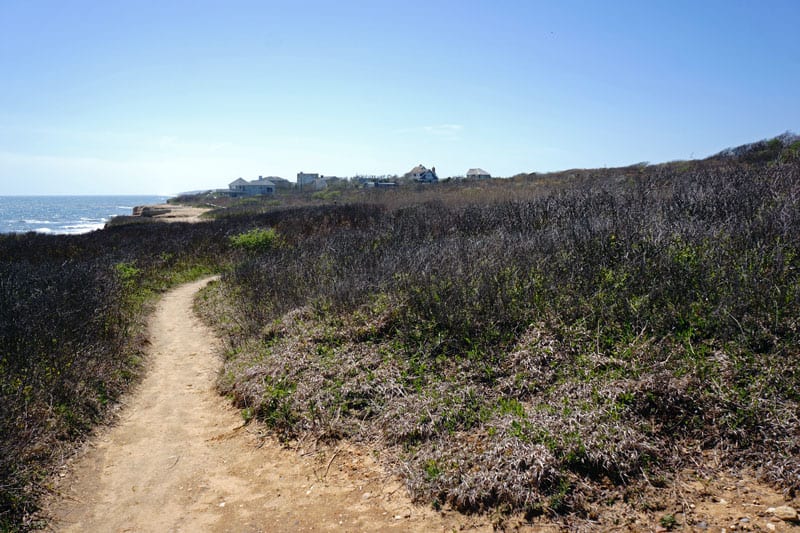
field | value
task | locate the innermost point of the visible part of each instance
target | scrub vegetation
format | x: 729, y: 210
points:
x: 72, y: 311
x: 542, y: 344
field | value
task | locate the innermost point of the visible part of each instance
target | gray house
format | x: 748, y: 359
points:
x: 307, y: 180
x: 422, y: 174
x: 478, y: 173
x: 261, y: 186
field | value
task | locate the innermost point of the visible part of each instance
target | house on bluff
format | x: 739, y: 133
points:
x: 308, y: 181
x: 478, y: 174
x: 421, y: 174
x: 261, y: 186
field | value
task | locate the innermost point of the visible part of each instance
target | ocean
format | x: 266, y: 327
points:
x: 65, y: 215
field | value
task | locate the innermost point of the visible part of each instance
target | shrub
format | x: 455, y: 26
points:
x: 595, y: 325
x: 256, y: 240
x: 71, y: 311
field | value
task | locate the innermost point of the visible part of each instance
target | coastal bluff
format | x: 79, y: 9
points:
x: 170, y: 212
x: 159, y: 213
x: 151, y: 210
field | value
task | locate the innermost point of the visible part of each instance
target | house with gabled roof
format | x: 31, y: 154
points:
x: 261, y: 186
x: 237, y: 185
x: 421, y: 174
x: 478, y: 173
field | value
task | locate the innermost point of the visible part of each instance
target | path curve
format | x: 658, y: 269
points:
x: 180, y: 460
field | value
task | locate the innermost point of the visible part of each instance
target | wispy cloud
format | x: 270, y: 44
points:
x: 444, y: 130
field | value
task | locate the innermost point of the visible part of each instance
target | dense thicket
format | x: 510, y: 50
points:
x: 514, y: 353
x: 70, y: 313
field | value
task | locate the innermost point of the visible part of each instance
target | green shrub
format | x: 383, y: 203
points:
x: 257, y: 240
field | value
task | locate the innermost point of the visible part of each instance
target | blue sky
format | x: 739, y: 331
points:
x: 163, y: 96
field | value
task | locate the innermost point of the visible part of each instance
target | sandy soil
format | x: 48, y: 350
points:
x: 180, y: 460
x: 176, y: 213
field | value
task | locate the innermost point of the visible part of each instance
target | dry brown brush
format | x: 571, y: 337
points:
x: 71, y: 310
x: 513, y: 354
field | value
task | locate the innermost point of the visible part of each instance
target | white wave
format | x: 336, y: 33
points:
x: 35, y: 221
x: 43, y: 230
x: 76, y: 229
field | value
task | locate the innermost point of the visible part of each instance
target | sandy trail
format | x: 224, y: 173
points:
x: 179, y: 460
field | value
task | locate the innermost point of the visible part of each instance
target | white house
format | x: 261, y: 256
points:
x: 304, y: 178
x: 261, y: 186
x: 422, y: 174
x: 478, y: 173
x: 237, y: 186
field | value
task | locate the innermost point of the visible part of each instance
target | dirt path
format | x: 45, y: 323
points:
x: 179, y: 460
